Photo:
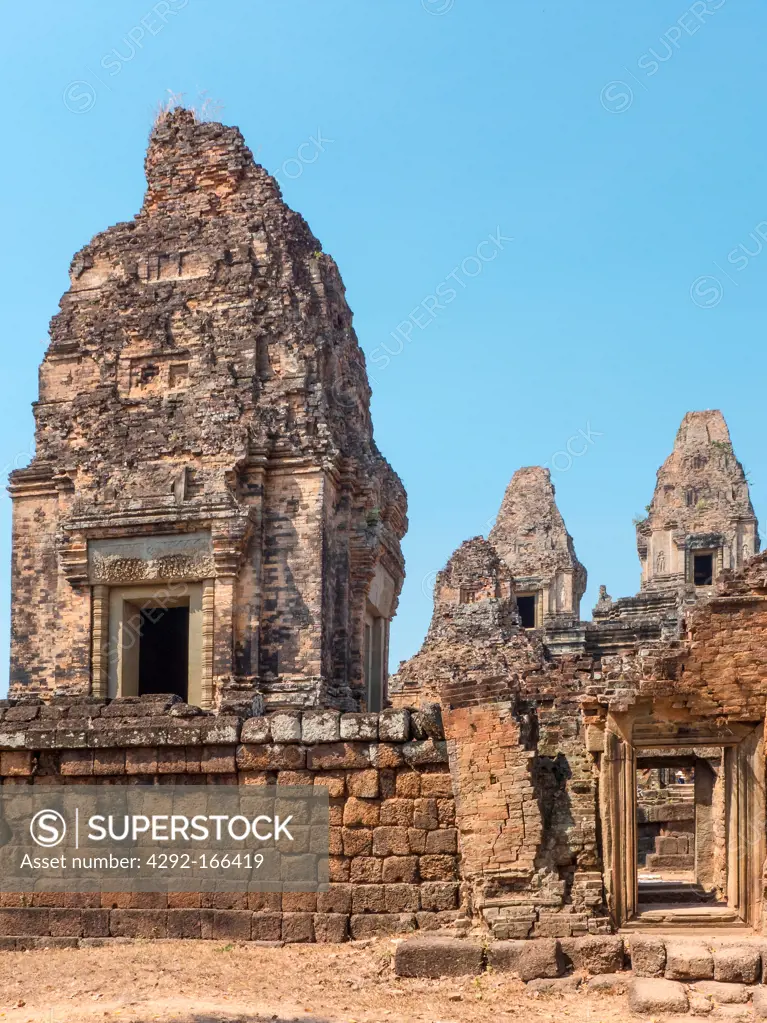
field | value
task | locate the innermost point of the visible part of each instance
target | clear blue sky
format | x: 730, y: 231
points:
x: 620, y: 146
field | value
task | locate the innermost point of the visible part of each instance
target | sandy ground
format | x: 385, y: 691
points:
x: 208, y: 982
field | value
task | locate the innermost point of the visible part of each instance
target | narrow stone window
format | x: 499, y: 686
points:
x: 374, y: 655
x: 526, y: 606
x: 703, y: 569
x: 366, y: 650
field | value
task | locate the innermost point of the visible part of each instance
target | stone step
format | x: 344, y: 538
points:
x: 667, y: 891
x: 698, y: 917
x: 663, y: 861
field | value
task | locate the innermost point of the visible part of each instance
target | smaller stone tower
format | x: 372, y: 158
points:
x: 700, y: 521
x: 531, y: 538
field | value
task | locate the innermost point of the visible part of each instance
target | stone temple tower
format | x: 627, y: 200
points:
x: 207, y: 512
x: 700, y: 520
x: 531, y: 538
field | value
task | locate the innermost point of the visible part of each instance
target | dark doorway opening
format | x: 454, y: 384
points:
x: 703, y: 569
x: 526, y: 606
x: 163, y: 662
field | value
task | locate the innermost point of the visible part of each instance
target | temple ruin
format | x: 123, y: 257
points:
x: 206, y: 562
x: 205, y: 476
x: 608, y: 773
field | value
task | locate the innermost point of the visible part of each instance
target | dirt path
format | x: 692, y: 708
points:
x: 203, y: 982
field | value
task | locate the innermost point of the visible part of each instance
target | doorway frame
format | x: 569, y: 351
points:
x: 744, y: 769
x: 125, y: 605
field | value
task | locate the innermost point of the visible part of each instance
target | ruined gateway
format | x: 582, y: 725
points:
x: 206, y: 560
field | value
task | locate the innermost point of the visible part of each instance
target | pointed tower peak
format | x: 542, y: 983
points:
x: 529, y: 495
x: 706, y: 427
x: 700, y: 520
x: 532, y: 474
x: 531, y: 538
x: 196, y: 166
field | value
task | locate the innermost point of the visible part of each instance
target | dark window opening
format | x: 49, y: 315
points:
x: 374, y: 651
x: 526, y: 607
x: 703, y: 569
x: 163, y: 659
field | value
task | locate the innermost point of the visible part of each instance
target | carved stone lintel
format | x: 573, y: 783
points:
x: 116, y: 571
x: 187, y: 556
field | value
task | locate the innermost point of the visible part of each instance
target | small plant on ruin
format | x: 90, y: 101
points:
x: 722, y: 446
x: 164, y: 107
x: 206, y: 108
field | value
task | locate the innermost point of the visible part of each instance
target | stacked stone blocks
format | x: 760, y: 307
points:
x: 393, y: 862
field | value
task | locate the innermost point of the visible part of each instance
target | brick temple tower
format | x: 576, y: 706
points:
x: 701, y: 520
x: 207, y: 511
x: 531, y: 538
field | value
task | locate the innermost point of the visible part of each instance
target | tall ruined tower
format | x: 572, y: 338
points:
x: 701, y: 520
x: 207, y: 511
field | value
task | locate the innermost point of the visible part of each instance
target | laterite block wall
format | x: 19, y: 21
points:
x: 393, y: 841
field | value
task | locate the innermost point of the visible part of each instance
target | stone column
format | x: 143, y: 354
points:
x: 705, y: 780
x: 74, y: 618
x: 208, y: 628
x: 100, y: 641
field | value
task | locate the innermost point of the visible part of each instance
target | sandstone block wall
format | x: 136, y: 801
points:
x: 393, y: 839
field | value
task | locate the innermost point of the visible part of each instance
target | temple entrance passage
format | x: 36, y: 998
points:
x: 682, y: 806
x: 163, y: 661
x: 681, y: 830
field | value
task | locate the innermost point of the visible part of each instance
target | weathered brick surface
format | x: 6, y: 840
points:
x: 138, y: 923
x: 526, y: 709
x: 387, y: 876
x: 203, y: 370
x: 331, y: 927
x: 481, y: 786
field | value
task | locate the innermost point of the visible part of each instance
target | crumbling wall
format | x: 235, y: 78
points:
x: 526, y: 736
x: 525, y: 785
